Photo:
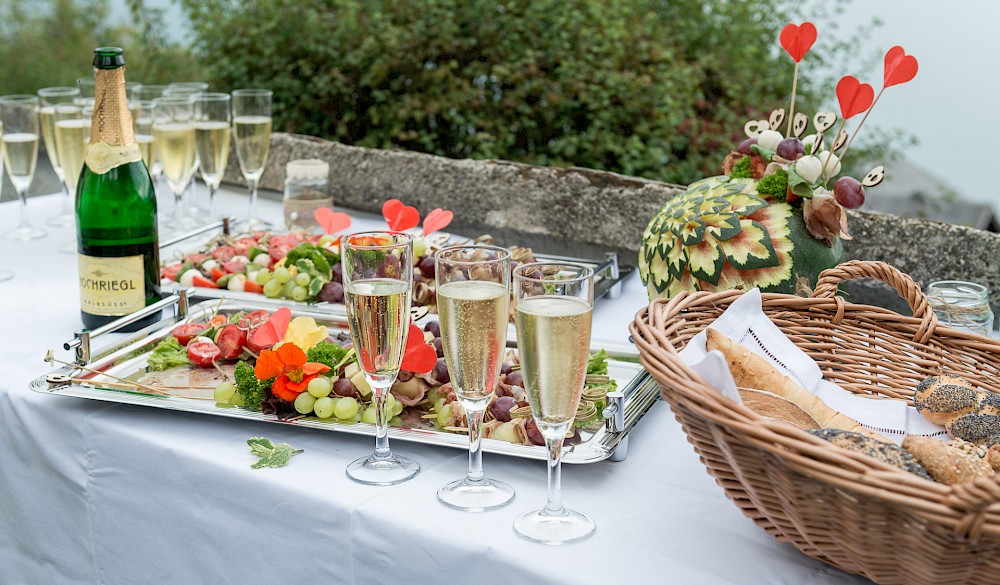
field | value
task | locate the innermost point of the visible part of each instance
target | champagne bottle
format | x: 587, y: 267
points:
x: 115, y: 208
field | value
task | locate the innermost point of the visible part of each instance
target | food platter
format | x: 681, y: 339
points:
x: 127, y: 359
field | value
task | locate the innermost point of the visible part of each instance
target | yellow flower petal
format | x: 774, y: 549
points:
x: 305, y: 333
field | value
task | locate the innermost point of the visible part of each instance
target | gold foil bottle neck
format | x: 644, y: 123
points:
x: 111, y: 122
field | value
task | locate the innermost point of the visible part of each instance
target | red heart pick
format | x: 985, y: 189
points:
x: 899, y: 67
x: 400, y: 217
x: 437, y: 220
x: 332, y: 221
x: 419, y: 356
x: 854, y: 97
x: 798, y: 39
x: 273, y: 330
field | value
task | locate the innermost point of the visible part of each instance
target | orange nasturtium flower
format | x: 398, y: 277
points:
x: 290, y: 370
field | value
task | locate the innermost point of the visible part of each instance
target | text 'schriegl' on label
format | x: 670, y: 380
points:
x: 111, y: 286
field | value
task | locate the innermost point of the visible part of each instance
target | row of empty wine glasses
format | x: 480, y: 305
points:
x: 553, y: 304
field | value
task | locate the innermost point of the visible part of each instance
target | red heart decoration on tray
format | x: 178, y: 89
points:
x: 797, y: 39
x: 854, y: 97
x: 332, y: 221
x: 419, y: 356
x: 437, y: 220
x: 899, y: 67
x: 400, y: 217
x: 273, y: 330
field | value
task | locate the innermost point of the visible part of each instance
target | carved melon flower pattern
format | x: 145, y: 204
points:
x: 719, y: 235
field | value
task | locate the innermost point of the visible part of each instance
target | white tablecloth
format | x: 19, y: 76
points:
x: 94, y: 492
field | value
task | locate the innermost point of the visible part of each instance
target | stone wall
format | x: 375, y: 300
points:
x: 583, y: 212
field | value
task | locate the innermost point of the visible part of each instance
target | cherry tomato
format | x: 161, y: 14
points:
x: 203, y: 353
x: 188, y: 331
x: 234, y: 266
x: 218, y: 273
x: 252, y: 287
x: 231, y: 340
x: 279, y: 246
x: 223, y: 253
x: 204, y: 282
x: 242, y: 245
x: 196, y: 258
x: 218, y: 321
x: 170, y: 271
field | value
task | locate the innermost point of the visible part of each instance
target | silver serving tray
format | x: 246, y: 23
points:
x: 637, y: 391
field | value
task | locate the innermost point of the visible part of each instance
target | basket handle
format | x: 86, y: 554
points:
x: 830, y: 279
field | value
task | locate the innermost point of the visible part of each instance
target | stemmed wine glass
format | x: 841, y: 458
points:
x: 19, y: 114
x: 553, y: 306
x: 143, y: 127
x: 473, y: 300
x: 190, y: 90
x: 377, y: 284
x: 87, y: 88
x: 71, y: 130
x: 252, y: 131
x: 50, y: 97
x: 211, y: 135
x: 173, y: 130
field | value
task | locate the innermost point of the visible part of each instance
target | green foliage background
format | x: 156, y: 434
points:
x: 654, y: 88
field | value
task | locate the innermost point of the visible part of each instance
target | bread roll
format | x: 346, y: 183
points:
x: 945, y: 463
x: 752, y: 371
x: 885, y: 452
x: 775, y: 407
x: 967, y: 413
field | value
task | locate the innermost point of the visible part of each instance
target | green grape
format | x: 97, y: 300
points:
x: 368, y: 415
x: 444, y: 415
x: 395, y: 422
x: 394, y: 406
x: 263, y: 276
x: 319, y: 387
x: 282, y: 275
x: 302, y: 279
x: 237, y: 400
x: 304, y: 403
x: 224, y: 392
x: 327, y: 240
x: 289, y: 287
x: 299, y: 293
x: 419, y: 247
x: 272, y: 289
x: 323, y: 406
x: 345, y: 408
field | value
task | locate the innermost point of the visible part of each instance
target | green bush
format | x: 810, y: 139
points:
x: 642, y: 87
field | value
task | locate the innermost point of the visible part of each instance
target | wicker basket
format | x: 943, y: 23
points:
x: 837, y: 506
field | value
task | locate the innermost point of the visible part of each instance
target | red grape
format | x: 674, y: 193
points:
x: 427, y: 266
x: 849, y: 192
x: 790, y: 149
x: 515, y: 379
x: 744, y: 147
x: 440, y: 371
x: 434, y: 327
x: 534, y: 434
x: 501, y: 408
x: 343, y: 387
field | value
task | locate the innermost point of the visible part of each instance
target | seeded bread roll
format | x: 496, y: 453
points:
x: 967, y: 413
x: 993, y: 457
x: 945, y: 463
x: 885, y: 452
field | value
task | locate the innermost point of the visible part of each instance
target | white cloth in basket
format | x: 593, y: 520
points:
x: 745, y: 322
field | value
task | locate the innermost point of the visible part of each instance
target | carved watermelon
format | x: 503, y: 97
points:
x: 720, y: 234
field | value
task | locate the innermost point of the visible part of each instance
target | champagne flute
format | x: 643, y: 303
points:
x: 553, y: 306
x: 252, y: 131
x: 473, y: 299
x: 19, y: 114
x: 188, y: 87
x: 50, y: 97
x: 86, y: 97
x: 211, y: 135
x: 71, y: 131
x: 144, y: 128
x: 173, y: 130
x: 192, y: 213
x: 377, y: 285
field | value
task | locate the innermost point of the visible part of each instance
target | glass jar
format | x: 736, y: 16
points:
x: 306, y: 190
x: 962, y: 305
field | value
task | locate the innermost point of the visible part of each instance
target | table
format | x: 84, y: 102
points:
x: 94, y: 492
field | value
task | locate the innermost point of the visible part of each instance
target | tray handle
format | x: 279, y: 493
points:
x: 830, y: 279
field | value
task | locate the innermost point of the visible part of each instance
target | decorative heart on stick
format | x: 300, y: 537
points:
x: 437, y: 220
x: 400, y: 217
x: 776, y: 118
x: 899, y: 67
x: 840, y: 141
x: 799, y: 124
x: 854, y: 97
x: 874, y: 176
x: 418, y: 356
x: 332, y: 221
x: 273, y: 330
x: 797, y: 39
x: 824, y: 120
x: 753, y: 128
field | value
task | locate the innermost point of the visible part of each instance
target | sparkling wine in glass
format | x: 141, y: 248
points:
x: 71, y: 133
x: 49, y: 98
x: 173, y: 131
x: 211, y: 136
x: 19, y: 143
x: 252, y: 132
x: 553, y: 306
x: 193, y: 215
x: 377, y: 285
x: 473, y: 300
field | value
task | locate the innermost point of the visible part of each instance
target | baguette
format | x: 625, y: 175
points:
x: 752, y: 371
x: 775, y: 407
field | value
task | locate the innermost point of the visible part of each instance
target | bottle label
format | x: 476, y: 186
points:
x: 102, y: 157
x: 111, y: 286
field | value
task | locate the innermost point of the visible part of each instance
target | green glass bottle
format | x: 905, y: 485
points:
x: 115, y: 208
